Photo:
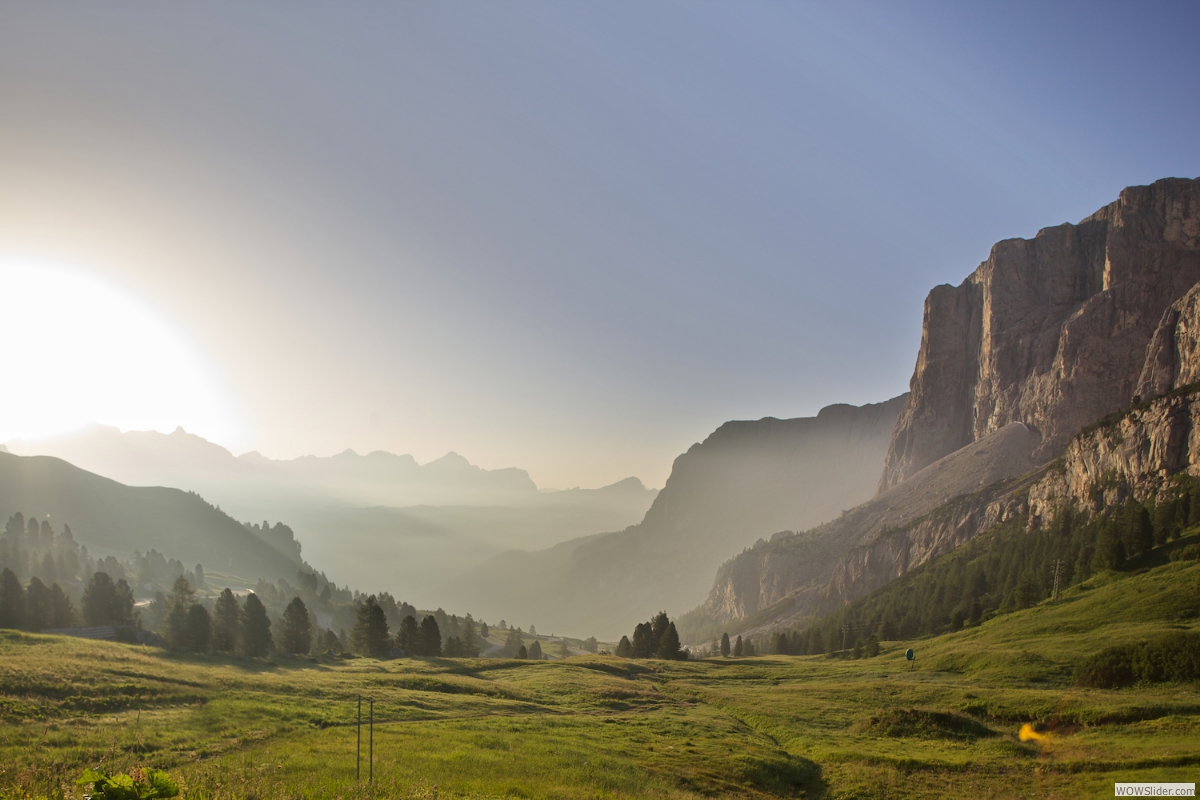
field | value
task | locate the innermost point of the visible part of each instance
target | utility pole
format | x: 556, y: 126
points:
x: 358, y: 744
x: 1057, y: 572
x: 843, y: 638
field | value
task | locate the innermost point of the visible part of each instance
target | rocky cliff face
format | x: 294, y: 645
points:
x: 746, y: 481
x: 1051, y: 331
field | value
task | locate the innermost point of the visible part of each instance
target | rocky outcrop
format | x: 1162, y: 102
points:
x: 1173, y: 358
x: 746, y: 481
x: 1137, y: 453
x: 1050, y: 331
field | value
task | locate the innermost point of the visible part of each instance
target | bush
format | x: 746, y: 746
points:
x: 1189, y: 553
x: 1171, y: 658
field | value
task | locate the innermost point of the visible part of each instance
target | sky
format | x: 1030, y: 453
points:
x: 569, y: 237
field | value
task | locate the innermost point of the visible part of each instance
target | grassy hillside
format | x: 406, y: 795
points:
x: 606, y: 727
x: 111, y: 518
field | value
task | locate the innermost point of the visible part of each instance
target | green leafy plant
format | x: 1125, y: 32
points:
x: 140, y: 784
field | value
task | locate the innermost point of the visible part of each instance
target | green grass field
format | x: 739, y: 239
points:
x: 594, y: 726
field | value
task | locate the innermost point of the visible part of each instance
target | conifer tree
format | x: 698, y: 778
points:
x: 369, y: 637
x: 226, y: 620
x: 725, y: 645
x: 295, y: 634
x: 255, y: 640
x: 737, y: 647
x: 522, y: 652
x: 431, y: 637
x: 535, y: 649
x: 175, y: 627
x: 12, y: 599
x: 668, y: 646
x: 64, y: 611
x: 565, y: 651
x: 470, y: 642
x: 198, y: 630
x: 643, y: 637
x: 107, y: 603
x: 408, y: 638
x: 39, y: 606
x: 625, y: 648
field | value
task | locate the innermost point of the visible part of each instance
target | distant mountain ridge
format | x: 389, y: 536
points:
x: 113, y: 519
x: 378, y: 519
x: 183, y: 459
x: 747, y: 480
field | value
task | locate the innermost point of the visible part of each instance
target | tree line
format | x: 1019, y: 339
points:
x: 1005, y: 569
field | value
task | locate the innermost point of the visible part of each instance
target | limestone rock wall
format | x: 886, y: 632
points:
x: 1050, y: 331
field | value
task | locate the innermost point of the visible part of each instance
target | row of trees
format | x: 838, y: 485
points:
x: 738, y: 649
x: 1006, y: 569
x: 39, y: 607
x: 371, y: 635
x: 654, y: 639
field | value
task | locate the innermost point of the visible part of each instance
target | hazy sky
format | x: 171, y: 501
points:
x: 570, y: 237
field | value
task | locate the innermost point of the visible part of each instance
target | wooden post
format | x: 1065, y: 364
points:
x: 371, y: 750
x: 358, y: 743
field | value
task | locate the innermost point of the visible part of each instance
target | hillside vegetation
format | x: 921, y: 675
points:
x: 594, y: 726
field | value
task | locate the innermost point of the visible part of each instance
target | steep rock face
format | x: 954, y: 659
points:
x: 1173, y: 359
x: 1050, y: 331
x: 745, y: 481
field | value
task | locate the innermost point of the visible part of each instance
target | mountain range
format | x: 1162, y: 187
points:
x: 1047, y: 337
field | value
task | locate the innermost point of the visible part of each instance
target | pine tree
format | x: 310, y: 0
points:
x: 12, y: 599
x: 175, y: 627
x: 737, y: 647
x: 39, y: 606
x: 255, y: 640
x: 408, y: 638
x: 431, y: 637
x: 107, y: 603
x: 226, y: 619
x: 625, y: 648
x: 668, y: 646
x: 564, y: 652
x: 295, y: 634
x: 643, y: 638
x: 522, y: 653
x: 470, y: 642
x: 64, y: 611
x: 370, y: 637
x: 199, y: 629
x: 535, y: 649
x: 658, y: 629
x: 725, y: 645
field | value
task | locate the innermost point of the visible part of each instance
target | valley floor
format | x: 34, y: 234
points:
x: 594, y: 726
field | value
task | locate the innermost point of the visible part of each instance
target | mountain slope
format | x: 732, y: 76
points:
x: 111, y: 518
x: 745, y: 481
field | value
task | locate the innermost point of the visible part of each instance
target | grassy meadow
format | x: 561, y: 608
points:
x: 598, y: 726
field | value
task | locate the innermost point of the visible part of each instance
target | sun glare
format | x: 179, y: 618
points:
x: 79, y: 350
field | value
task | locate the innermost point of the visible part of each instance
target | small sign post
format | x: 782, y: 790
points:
x: 911, y: 656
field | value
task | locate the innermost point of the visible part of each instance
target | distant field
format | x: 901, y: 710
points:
x: 593, y: 726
